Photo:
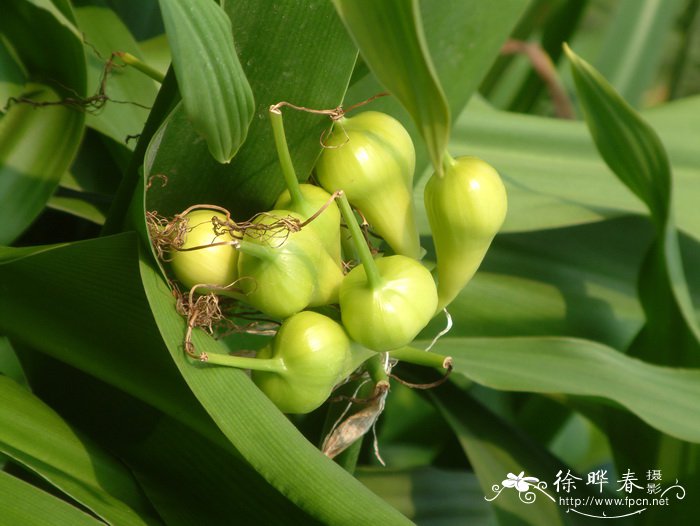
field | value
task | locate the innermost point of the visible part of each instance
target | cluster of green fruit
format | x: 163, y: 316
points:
x: 384, y: 301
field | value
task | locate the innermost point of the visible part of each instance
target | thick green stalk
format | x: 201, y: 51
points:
x: 256, y: 250
x: 374, y: 279
x: 272, y: 365
x: 375, y: 367
x: 420, y: 357
x: 447, y: 162
x: 141, y: 66
x: 290, y: 176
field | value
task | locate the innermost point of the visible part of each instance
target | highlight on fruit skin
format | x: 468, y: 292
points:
x: 466, y: 208
x: 390, y: 314
x: 371, y: 158
x: 205, y: 255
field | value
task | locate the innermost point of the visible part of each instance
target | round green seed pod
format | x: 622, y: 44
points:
x: 211, y: 265
x: 314, y: 352
x: 392, y: 313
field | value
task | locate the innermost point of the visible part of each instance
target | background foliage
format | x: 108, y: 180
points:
x: 576, y: 345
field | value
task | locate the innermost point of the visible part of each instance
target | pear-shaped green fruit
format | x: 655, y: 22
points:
x: 466, y: 207
x: 314, y: 352
x: 283, y: 272
x: 212, y: 265
x: 387, y: 313
x: 326, y: 224
x: 371, y: 158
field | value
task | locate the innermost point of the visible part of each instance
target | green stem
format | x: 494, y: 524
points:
x: 374, y: 279
x: 290, y: 176
x: 271, y: 365
x: 144, y: 68
x: 256, y: 250
x: 447, y: 163
x: 375, y: 367
x: 420, y: 357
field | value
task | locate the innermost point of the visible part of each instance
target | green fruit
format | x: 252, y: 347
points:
x: 283, y: 272
x: 326, y: 224
x: 389, y: 314
x: 371, y: 158
x: 314, y: 352
x: 212, y: 265
x: 466, y: 207
x: 307, y: 358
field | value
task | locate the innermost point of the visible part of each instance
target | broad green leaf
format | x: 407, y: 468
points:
x: 495, y: 449
x: 634, y: 152
x: 130, y: 92
x: 12, y: 75
x: 664, y: 397
x: 55, y: 9
x: 70, y: 301
x: 24, y: 504
x: 389, y: 35
x: 217, y: 97
x: 35, y: 436
x: 77, y: 207
x: 9, y: 364
x: 36, y: 147
x: 256, y: 428
x: 190, y: 479
x: 629, y: 146
x: 632, y: 51
x: 57, y: 59
x: 431, y: 496
x: 577, y: 281
x: 463, y: 38
x: 312, y: 73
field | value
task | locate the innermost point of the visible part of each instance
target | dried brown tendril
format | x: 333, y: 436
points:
x: 448, y: 365
x: 92, y: 104
x: 335, y: 114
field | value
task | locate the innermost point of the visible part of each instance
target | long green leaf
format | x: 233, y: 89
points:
x: 37, y: 146
x: 40, y: 308
x: 390, y: 37
x: 22, y: 503
x: 496, y: 448
x: 256, y: 428
x: 665, y: 398
x: 312, y: 73
x: 628, y: 145
x: 131, y: 93
x: 431, y: 496
x: 36, y: 437
x: 634, y: 152
x: 632, y: 51
x: 464, y: 37
x: 190, y: 479
x: 215, y: 91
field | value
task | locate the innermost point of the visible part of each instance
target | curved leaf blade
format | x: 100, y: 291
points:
x: 37, y: 146
x: 36, y: 437
x: 626, y: 142
x: 313, y: 73
x: 666, y: 398
x: 215, y: 91
x: 390, y: 37
x: 25, y: 504
x: 256, y: 428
